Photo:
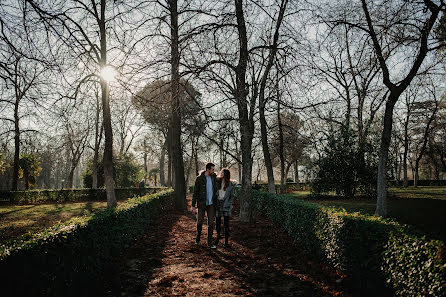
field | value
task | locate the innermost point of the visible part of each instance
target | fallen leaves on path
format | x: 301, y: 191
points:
x: 262, y: 261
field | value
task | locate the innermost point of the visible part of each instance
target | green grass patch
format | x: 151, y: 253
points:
x: 74, y: 257
x: 423, y: 208
x: 16, y: 220
x: 419, y: 192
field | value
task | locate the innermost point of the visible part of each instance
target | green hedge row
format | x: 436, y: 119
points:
x: 288, y: 187
x: 71, y: 258
x: 73, y: 194
x: 375, y: 253
x: 421, y: 183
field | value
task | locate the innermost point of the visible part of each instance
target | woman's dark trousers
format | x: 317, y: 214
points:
x: 226, y: 223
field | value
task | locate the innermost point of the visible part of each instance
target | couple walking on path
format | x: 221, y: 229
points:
x: 213, y: 195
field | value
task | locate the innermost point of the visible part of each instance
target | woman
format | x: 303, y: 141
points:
x: 224, y: 203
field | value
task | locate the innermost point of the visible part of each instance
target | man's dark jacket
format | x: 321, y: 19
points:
x: 199, y: 196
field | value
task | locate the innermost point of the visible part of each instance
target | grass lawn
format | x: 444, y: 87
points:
x: 16, y: 220
x: 423, y: 208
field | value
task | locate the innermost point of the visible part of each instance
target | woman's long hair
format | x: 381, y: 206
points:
x: 225, y: 176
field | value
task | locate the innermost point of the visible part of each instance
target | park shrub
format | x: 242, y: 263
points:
x: 73, y: 195
x: 69, y: 259
x: 126, y: 171
x: 377, y: 254
x: 347, y: 165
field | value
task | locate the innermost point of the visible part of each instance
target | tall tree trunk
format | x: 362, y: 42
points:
x: 161, y: 165
x: 245, y: 121
x: 105, y: 92
x: 360, y: 121
x: 99, y: 129
x: 26, y: 177
x: 16, y: 166
x: 95, y: 170
x: 416, y: 175
x: 262, y: 101
x: 381, y: 203
x: 396, y: 165
x: 169, y: 155
x: 423, y: 147
x: 437, y: 172
x: 246, y: 189
x: 259, y: 171
x: 281, y: 145
x: 191, y: 161
x: 71, y: 177
x: 395, y: 92
x: 220, y: 150
x: 145, y: 161
x: 296, y: 171
x: 266, y: 153
x: 287, y: 170
x: 94, y: 184
x: 145, y: 166
x: 169, y: 171
x: 177, y: 152
x: 197, y: 169
x: 239, y: 165
x: 76, y: 155
x: 406, y: 150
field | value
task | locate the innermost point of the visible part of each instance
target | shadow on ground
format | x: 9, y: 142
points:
x: 136, y: 265
x: 262, y: 261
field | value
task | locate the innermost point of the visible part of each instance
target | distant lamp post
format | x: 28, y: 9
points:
x: 108, y: 73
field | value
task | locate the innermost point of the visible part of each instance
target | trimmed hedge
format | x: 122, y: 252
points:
x: 421, y: 183
x: 73, y: 194
x: 374, y: 252
x: 71, y: 258
x: 288, y: 187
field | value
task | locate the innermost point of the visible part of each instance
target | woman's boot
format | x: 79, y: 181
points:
x: 226, y: 231
x: 197, y: 239
x: 218, y: 228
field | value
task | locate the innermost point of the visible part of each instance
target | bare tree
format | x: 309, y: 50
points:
x: 425, y: 113
x: 429, y: 12
x: 228, y: 70
x: 98, y: 132
x: 177, y: 154
x: 127, y: 124
x: 263, y: 125
x: 154, y: 103
x: 22, y: 79
x: 75, y: 137
x: 409, y: 104
x: 72, y: 22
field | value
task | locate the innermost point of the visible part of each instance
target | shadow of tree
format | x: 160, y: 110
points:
x: 262, y: 261
x: 17, y: 210
x: 136, y: 265
x: 270, y: 264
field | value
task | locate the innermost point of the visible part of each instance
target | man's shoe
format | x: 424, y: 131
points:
x: 211, y: 246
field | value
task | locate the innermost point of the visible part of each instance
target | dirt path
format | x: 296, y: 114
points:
x: 261, y: 261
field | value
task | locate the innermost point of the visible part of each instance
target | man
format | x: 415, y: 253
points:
x: 205, y: 197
